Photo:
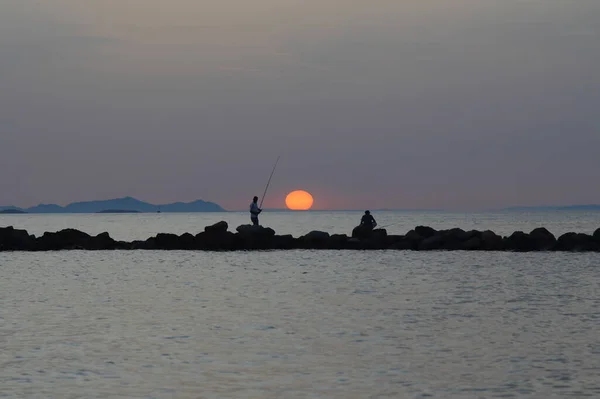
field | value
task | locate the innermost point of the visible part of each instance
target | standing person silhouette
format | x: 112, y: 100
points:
x: 254, y: 211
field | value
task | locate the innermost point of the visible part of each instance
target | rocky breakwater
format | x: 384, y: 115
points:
x: 247, y: 238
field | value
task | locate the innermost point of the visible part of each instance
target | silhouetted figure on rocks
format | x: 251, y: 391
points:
x: 367, y: 224
x: 368, y: 221
x: 254, y: 211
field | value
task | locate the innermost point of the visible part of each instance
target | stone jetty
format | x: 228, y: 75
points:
x: 249, y: 238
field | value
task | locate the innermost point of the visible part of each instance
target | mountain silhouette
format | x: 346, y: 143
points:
x: 126, y: 203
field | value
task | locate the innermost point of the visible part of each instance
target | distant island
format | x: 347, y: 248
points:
x: 11, y: 211
x: 127, y: 204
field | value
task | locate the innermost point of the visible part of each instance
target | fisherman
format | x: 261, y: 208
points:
x: 254, y: 211
x: 367, y: 221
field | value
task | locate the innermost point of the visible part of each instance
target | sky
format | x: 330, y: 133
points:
x: 462, y: 104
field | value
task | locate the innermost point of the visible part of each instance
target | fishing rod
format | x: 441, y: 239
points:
x: 269, y: 182
x: 388, y: 225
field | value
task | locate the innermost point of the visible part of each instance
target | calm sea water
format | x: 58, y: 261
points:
x: 299, y: 324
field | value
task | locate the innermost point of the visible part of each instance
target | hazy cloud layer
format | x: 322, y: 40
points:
x: 386, y: 103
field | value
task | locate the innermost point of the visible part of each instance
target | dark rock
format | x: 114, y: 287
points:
x: 455, y: 234
x: 365, y: 233
x: 453, y: 239
x: 214, y: 241
x: 403, y: 244
x: 64, y: 239
x: 543, y: 239
x: 248, y: 229
x: 338, y: 241
x: 217, y: 238
x: 166, y: 241
x: 425, y: 231
x: 577, y: 242
x: 12, y: 239
x: 354, y: 243
x: 315, y: 240
x: 103, y: 241
x: 390, y: 240
x: 138, y: 244
x: 284, y: 242
x: 520, y: 242
x: 361, y: 232
x: 414, y: 237
x: 123, y: 245
x: 379, y: 234
x: 187, y: 241
x: 255, y: 237
x: 220, y: 227
x: 377, y: 239
x: 316, y: 236
x: 432, y: 243
x: 491, y: 241
x: 472, y: 244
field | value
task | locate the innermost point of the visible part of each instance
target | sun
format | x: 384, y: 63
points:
x: 299, y: 200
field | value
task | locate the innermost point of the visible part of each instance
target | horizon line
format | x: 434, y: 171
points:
x: 283, y: 209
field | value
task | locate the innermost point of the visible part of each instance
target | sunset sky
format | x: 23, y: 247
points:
x: 462, y: 104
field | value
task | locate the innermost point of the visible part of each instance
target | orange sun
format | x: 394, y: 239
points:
x: 299, y: 200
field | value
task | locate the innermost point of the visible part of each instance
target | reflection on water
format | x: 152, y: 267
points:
x: 299, y: 324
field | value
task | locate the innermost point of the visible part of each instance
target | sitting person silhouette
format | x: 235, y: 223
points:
x: 368, y: 222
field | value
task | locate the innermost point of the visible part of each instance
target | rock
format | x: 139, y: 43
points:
x: 256, y: 237
x: 491, y: 241
x: 472, y: 244
x: 138, y: 244
x: 425, y: 231
x: 455, y: 234
x: 543, y: 239
x: 404, y: 244
x: 248, y: 229
x: 187, y: 241
x: 453, y: 239
x: 520, y: 242
x: 316, y: 236
x: 220, y: 227
x: 123, y: 245
x: 364, y: 233
x: 12, y: 239
x: 217, y: 238
x: 315, y: 240
x: 431, y: 243
x: 166, y: 241
x: 353, y: 243
x: 284, y: 242
x: 64, y: 239
x: 414, y: 237
x: 222, y: 241
x: 391, y: 240
x: 361, y: 232
x: 577, y: 242
x: 102, y: 242
x: 379, y: 234
x: 338, y: 241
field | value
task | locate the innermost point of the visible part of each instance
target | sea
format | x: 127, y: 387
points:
x: 302, y: 323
